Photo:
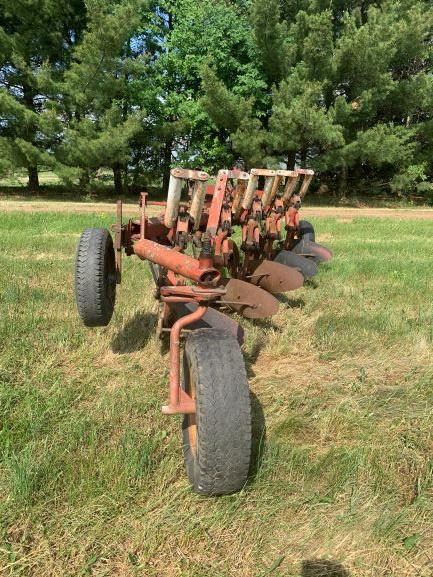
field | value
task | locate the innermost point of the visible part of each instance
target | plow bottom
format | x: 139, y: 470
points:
x: 306, y: 265
x: 313, y: 250
x: 277, y: 278
x: 248, y: 300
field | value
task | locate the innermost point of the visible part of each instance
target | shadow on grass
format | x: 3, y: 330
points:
x: 134, y: 335
x: 251, y: 357
x: 292, y: 303
x: 312, y: 284
x: 323, y: 568
x: 258, y: 425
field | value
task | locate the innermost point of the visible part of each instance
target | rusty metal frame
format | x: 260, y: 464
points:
x: 205, y: 222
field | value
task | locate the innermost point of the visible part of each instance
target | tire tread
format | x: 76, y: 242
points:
x: 223, y: 412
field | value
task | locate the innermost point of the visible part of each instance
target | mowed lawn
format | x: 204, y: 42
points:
x: 92, y: 479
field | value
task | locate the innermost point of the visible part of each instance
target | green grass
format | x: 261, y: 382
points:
x: 91, y: 473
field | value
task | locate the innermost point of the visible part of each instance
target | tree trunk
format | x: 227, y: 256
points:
x: 33, y: 182
x: 303, y: 155
x: 342, y: 184
x: 125, y: 179
x: 291, y: 160
x: 84, y: 180
x: 166, y: 163
x: 117, y: 174
x: 30, y: 133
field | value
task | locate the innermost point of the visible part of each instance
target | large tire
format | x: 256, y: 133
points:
x: 217, y: 439
x: 307, y: 230
x: 95, y: 277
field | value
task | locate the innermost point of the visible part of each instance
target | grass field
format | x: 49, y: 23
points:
x: 91, y: 473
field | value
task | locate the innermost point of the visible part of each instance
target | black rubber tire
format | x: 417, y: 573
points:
x: 307, y: 266
x: 307, y: 230
x: 218, y: 462
x: 95, y: 277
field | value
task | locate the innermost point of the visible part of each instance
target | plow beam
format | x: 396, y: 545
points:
x: 177, y: 262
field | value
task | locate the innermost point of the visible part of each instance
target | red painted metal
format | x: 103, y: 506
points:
x: 179, y: 401
x: 176, y: 261
x: 192, y: 293
x: 217, y: 202
x: 143, y: 200
x: 205, y: 222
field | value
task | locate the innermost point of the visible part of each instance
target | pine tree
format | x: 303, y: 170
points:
x: 36, y: 41
x: 347, y: 89
x: 97, y: 106
x: 189, y: 35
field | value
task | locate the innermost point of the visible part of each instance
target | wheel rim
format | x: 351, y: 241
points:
x: 191, y: 418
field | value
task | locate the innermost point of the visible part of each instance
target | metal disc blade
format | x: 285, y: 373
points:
x: 276, y: 277
x: 306, y: 265
x: 248, y: 300
x: 312, y: 249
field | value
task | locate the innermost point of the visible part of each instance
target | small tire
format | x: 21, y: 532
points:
x: 217, y: 439
x: 307, y: 230
x: 95, y: 277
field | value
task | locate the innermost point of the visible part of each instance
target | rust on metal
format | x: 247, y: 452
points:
x: 188, y: 174
x: 308, y: 176
x: 217, y: 203
x: 179, y: 401
x: 175, y: 261
x: 277, y: 278
x: 118, y: 242
x: 250, y: 301
x: 192, y: 291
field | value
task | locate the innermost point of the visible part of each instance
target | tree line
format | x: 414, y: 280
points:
x: 136, y: 86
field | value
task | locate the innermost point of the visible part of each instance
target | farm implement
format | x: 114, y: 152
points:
x: 200, y: 274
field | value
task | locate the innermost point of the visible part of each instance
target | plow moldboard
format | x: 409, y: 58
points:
x: 249, y: 300
x: 276, y: 277
x: 314, y: 250
x: 307, y: 266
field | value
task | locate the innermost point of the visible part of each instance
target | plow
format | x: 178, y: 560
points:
x: 221, y: 245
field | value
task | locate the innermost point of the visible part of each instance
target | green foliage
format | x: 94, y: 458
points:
x: 348, y: 90
x: 137, y: 86
x: 36, y: 42
x: 102, y: 121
